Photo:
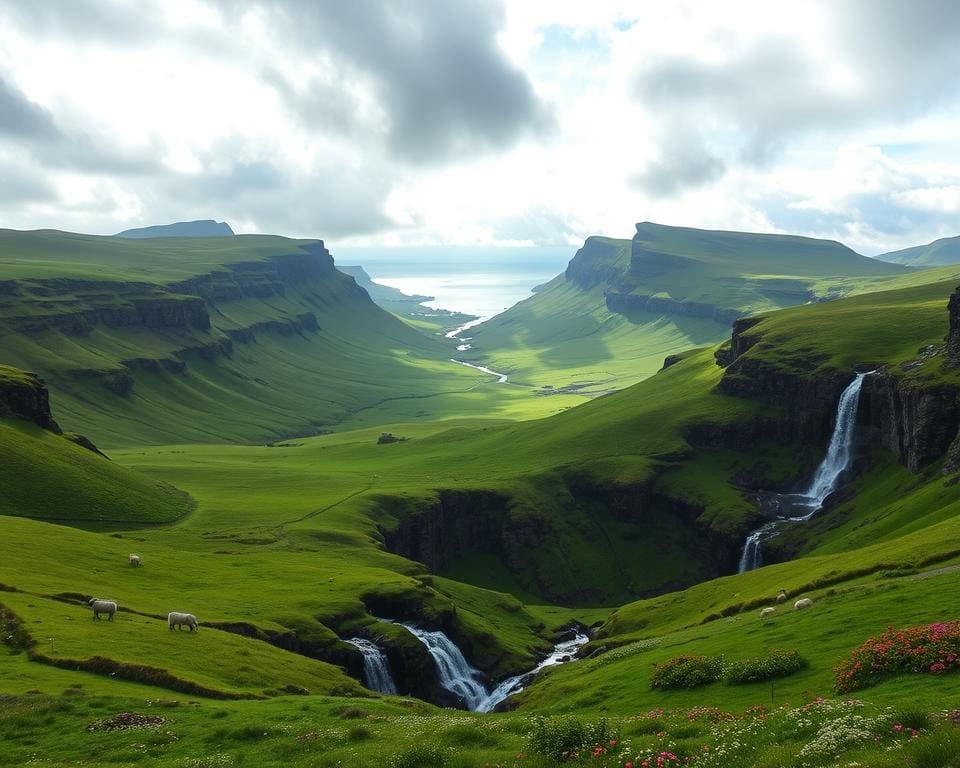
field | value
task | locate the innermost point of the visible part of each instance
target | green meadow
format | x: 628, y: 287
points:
x: 255, y: 487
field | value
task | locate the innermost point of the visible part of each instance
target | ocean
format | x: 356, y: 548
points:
x: 475, y: 280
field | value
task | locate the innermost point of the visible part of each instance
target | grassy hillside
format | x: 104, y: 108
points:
x: 940, y: 252
x: 476, y: 528
x: 246, y: 338
x: 622, y: 305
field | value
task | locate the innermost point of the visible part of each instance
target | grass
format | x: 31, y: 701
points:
x: 48, y: 477
x: 589, y: 508
x: 566, y: 338
x: 71, y: 309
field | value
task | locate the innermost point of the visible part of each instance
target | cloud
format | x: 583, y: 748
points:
x: 872, y: 63
x: 22, y: 118
x: 934, y: 199
x: 684, y: 162
x: 22, y: 186
x: 445, y: 89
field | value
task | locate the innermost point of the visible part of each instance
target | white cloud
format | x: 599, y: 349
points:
x: 544, y: 123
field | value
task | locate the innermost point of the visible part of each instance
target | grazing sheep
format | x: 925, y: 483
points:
x: 781, y: 596
x: 801, y: 604
x: 135, y: 560
x: 176, y: 619
x: 108, y: 607
x: 768, y: 611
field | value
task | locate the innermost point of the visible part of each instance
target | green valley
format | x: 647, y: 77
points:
x: 625, y: 515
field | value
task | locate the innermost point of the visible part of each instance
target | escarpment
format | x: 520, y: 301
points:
x: 911, y: 409
x: 24, y: 396
x: 576, y: 544
x: 190, y: 320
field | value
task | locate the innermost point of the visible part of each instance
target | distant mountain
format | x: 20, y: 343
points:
x: 379, y: 292
x: 939, y: 253
x: 200, y: 228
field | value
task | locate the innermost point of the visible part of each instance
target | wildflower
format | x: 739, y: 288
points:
x: 898, y: 727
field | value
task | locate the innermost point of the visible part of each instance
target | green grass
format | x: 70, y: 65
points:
x: 48, y: 477
x: 565, y: 337
x: 360, y: 366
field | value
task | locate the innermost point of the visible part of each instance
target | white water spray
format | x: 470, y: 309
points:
x: 824, y: 480
x: 454, y: 671
x: 562, y: 652
x: 376, y: 668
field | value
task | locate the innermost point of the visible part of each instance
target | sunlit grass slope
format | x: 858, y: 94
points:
x: 242, y: 339
x: 570, y: 334
x: 46, y: 476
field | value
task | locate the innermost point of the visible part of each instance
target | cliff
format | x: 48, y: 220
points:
x: 911, y: 409
x: 24, y: 396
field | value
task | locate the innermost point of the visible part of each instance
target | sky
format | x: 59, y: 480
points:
x: 478, y: 122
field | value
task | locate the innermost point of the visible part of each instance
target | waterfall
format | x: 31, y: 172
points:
x: 824, y: 480
x: 561, y: 653
x: 376, y: 669
x: 455, y: 672
x: 464, y: 681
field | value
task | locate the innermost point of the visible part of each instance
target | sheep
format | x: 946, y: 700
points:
x: 99, y: 606
x: 782, y: 596
x: 134, y: 560
x: 177, y: 619
x: 768, y: 611
x: 806, y: 602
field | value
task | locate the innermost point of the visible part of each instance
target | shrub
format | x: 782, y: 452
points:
x: 567, y: 738
x: 419, y: 756
x: 930, y: 648
x: 779, y: 662
x: 686, y: 671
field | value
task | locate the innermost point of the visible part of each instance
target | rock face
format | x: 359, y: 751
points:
x: 916, y: 419
x: 178, y: 311
x: 953, y: 332
x: 662, y: 305
x: 24, y: 396
x: 595, y: 263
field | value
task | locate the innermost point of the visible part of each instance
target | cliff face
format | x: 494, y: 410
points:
x: 662, y: 305
x: 180, y: 311
x: 596, y: 263
x: 915, y: 417
x: 24, y: 396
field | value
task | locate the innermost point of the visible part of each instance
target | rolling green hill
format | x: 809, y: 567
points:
x: 246, y: 338
x: 625, y: 513
x: 940, y: 252
x: 622, y: 306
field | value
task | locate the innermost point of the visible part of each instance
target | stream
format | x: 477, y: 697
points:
x: 464, y: 346
x: 800, y: 507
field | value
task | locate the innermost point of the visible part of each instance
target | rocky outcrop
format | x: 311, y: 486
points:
x: 914, y: 417
x: 118, y: 308
x: 24, y: 396
x: 301, y: 323
x: 953, y: 329
x: 663, y: 305
x: 916, y: 421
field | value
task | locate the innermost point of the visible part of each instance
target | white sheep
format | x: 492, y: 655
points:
x: 805, y: 602
x: 768, y: 611
x: 135, y: 560
x: 99, y: 606
x: 782, y: 596
x: 177, y: 619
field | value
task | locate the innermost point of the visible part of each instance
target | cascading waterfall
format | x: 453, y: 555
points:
x: 461, y: 679
x: 512, y: 685
x: 456, y: 674
x: 376, y: 668
x: 824, y: 480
